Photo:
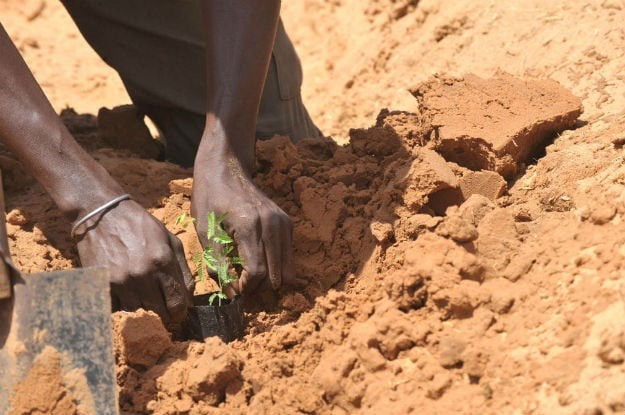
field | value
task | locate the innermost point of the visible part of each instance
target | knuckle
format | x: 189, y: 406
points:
x: 141, y: 270
x: 175, y: 303
x: 257, y: 270
x: 161, y: 257
x: 122, y: 277
x: 177, y: 310
x: 287, y: 222
x: 176, y: 243
x: 275, y: 221
x: 154, y: 260
x: 266, y: 216
x: 271, y: 217
x: 119, y: 279
x: 189, y: 283
x: 248, y: 228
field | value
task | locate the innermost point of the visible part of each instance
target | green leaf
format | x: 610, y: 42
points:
x: 208, y: 256
x: 212, y: 297
x: 210, y: 221
x: 221, y: 218
x: 201, y: 273
x: 222, y: 273
x: 184, y: 221
x: 217, y: 257
x: 229, y: 280
x: 223, y: 239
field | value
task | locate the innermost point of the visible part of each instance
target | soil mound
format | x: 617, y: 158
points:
x: 416, y: 295
x: 495, y: 124
x: 50, y: 387
x: 435, y: 285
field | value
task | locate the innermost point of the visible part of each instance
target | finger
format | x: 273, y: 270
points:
x: 248, y: 282
x: 152, y: 300
x: 187, y: 276
x: 236, y: 285
x: 273, y: 237
x: 230, y: 290
x: 175, y: 293
x: 124, y: 298
x: 201, y: 225
x: 289, y: 276
x: 252, y: 252
x: 173, y: 283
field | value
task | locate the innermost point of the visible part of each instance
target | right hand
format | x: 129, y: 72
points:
x: 262, y: 231
x: 147, y: 263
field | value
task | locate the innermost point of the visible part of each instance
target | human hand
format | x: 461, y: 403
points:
x: 262, y: 231
x: 147, y: 263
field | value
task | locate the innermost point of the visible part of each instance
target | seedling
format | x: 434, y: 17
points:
x: 217, y: 256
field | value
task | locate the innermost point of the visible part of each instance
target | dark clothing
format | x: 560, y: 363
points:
x: 157, y: 47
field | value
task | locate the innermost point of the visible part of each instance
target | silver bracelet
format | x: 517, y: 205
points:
x: 94, y: 212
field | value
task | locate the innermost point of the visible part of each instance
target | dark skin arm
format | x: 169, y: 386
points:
x: 146, y: 262
x: 240, y: 35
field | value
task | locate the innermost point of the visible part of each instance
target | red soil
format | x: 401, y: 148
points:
x: 432, y: 288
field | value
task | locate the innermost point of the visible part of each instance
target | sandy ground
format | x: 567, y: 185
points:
x: 511, y: 303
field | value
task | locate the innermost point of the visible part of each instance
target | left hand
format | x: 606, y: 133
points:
x: 147, y: 264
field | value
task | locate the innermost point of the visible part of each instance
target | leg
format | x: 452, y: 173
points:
x: 281, y: 108
x: 147, y: 46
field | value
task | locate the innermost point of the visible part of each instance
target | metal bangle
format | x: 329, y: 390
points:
x: 94, y: 212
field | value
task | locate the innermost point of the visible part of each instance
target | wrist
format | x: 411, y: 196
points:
x: 223, y: 145
x: 76, y: 205
x: 100, y: 210
x: 76, y: 182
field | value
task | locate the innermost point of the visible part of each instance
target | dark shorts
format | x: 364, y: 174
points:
x: 158, y: 51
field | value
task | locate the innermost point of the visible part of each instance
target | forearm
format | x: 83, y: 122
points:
x: 239, y: 39
x: 30, y: 128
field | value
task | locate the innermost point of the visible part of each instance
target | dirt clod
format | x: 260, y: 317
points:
x: 494, y: 124
x: 44, y: 390
x: 141, y: 338
x: 123, y: 128
x: 480, y: 226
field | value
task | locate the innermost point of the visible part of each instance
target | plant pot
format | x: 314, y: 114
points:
x: 225, y: 321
